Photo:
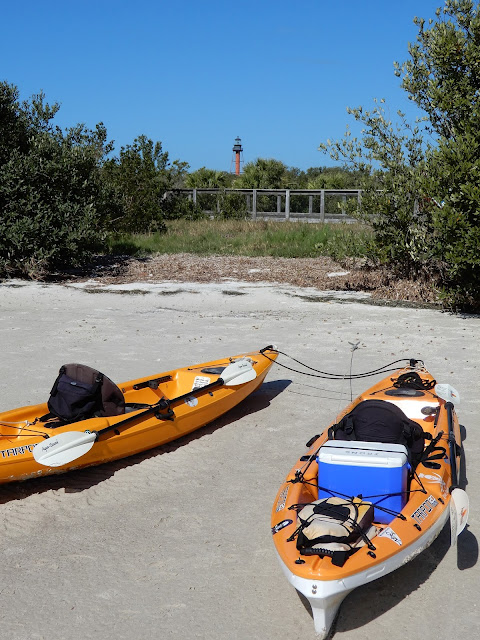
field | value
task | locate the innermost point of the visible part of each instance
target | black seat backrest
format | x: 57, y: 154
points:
x: 381, y: 421
x: 81, y: 392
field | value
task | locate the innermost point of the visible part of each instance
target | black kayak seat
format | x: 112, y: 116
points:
x: 380, y: 421
x: 81, y: 392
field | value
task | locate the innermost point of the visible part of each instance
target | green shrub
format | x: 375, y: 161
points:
x: 176, y: 205
x: 52, y: 200
x: 232, y: 206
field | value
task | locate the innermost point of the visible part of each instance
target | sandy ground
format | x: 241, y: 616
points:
x: 175, y: 543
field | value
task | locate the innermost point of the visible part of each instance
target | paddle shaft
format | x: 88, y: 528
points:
x: 453, y: 446
x: 164, y: 403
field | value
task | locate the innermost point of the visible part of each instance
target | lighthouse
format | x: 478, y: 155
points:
x: 237, y: 155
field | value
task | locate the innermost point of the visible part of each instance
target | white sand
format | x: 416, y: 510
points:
x: 176, y: 543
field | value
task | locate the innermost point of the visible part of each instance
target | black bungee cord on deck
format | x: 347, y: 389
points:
x: 338, y: 376
x: 432, y: 452
x: 24, y: 428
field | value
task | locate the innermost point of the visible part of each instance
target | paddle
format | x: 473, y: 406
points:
x: 459, y: 503
x: 70, y: 445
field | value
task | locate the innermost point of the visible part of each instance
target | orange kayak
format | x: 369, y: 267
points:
x: 155, y: 409
x: 429, y: 496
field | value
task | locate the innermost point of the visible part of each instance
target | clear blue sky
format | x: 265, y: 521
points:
x: 195, y: 74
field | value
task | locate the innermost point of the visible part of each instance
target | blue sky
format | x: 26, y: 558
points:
x: 194, y: 75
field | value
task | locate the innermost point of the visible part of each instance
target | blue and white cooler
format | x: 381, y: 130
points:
x: 375, y: 470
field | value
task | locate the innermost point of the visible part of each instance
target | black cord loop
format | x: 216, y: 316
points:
x: 337, y: 376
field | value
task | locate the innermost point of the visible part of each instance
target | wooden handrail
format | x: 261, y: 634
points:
x: 283, y: 195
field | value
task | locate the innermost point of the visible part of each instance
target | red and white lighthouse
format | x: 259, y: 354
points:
x: 237, y: 155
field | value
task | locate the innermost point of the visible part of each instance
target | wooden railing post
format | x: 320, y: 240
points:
x: 279, y: 211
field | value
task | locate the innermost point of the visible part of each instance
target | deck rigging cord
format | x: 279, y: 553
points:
x: 339, y: 376
x: 397, y: 514
x: 355, y: 525
x: 26, y: 424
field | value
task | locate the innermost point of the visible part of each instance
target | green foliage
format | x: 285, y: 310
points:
x: 391, y: 160
x: 443, y: 78
x: 455, y: 173
x: 262, y: 174
x: 272, y: 174
x: 232, y: 206
x: 422, y: 198
x: 142, y: 175
x: 176, y: 205
x: 14, y: 123
x: 249, y: 238
x: 52, y: 198
x: 223, y: 205
x: 208, y: 179
x: 443, y: 73
x: 331, y: 178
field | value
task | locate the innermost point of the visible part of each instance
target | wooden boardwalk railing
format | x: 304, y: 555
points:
x: 316, y: 205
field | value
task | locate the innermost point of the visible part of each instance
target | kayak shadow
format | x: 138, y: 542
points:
x: 467, y: 550
x: 386, y: 592
x: 79, y: 480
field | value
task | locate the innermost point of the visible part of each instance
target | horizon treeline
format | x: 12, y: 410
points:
x: 63, y: 192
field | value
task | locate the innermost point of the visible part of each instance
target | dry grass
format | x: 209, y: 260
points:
x: 300, y: 272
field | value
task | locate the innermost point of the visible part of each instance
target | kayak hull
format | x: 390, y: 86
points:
x: 22, y: 429
x: 424, y: 515
x: 326, y: 596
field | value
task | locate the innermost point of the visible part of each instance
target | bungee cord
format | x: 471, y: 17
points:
x: 337, y: 376
x: 26, y: 424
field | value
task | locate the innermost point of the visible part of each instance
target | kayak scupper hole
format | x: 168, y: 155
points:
x: 116, y: 432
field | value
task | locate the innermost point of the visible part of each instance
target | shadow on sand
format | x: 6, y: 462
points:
x: 76, y: 481
x: 385, y: 593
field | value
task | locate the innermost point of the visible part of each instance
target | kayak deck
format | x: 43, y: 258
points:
x: 21, y: 429
x: 408, y: 533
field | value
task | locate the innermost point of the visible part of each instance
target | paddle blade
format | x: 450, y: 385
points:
x: 63, y: 448
x: 448, y: 393
x: 238, y: 372
x: 459, y: 508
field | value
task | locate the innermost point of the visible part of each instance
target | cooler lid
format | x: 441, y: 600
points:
x: 364, y: 454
